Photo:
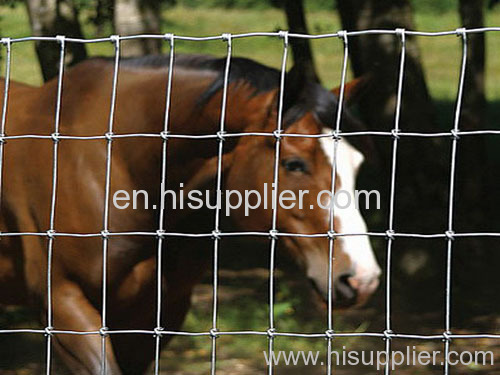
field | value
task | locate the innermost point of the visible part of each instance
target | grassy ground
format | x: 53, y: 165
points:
x: 243, y: 299
x: 440, y: 56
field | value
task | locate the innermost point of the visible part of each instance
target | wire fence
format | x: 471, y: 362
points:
x: 273, y: 234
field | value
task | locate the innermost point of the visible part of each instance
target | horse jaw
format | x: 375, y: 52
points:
x: 361, y: 278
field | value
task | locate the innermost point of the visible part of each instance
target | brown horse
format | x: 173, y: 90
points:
x: 305, y: 163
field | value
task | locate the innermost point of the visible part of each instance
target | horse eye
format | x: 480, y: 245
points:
x: 295, y: 165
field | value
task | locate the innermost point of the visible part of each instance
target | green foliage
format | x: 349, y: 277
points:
x: 225, y: 3
x: 434, y: 6
x: 254, y: 4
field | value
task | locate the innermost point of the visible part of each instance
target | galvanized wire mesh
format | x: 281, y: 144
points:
x: 273, y: 234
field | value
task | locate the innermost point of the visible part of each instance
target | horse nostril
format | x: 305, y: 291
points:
x: 344, y: 289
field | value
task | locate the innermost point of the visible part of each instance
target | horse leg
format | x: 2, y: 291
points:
x: 135, y: 353
x: 81, y: 353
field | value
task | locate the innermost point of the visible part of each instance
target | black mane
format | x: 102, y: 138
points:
x: 300, y: 97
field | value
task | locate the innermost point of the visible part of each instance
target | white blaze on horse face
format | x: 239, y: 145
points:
x: 364, y: 267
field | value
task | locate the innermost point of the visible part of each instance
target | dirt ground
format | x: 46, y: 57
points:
x: 242, y: 355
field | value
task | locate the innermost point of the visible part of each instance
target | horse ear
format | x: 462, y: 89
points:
x: 354, y: 89
x: 207, y: 173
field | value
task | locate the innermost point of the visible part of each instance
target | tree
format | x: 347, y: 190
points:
x: 379, y: 56
x: 50, y: 18
x: 301, y: 48
x: 421, y: 185
x: 471, y: 13
x: 133, y: 17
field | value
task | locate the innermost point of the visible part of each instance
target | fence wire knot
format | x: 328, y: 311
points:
x: 160, y: 233
x: 395, y: 133
x: 277, y: 134
x: 389, y: 234
x: 5, y: 41
x: 271, y: 332
x: 55, y: 137
x: 461, y: 31
x: 158, y: 331
x: 331, y: 234
x: 61, y: 39
x: 214, y: 333
x: 330, y: 334
x: 388, y: 334
x: 164, y: 135
x: 402, y: 34
x: 2, y: 139
x: 169, y: 36
x: 51, y: 234
x: 450, y: 235
x: 227, y: 37
x: 273, y: 234
x: 447, y: 336
x: 454, y: 134
x: 220, y: 135
x: 105, y: 233
x: 216, y: 234
x: 109, y: 136
x: 115, y: 39
x: 342, y: 34
x: 283, y: 34
x: 48, y: 331
x: 336, y: 135
x: 103, y: 331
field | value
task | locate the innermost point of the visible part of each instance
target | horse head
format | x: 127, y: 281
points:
x: 305, y: 165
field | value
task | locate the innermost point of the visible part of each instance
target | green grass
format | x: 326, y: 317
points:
x: 440, y: 56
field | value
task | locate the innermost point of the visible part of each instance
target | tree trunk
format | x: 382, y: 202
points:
x: 50, y: 18
x: 301, y: 48
x: 103, y: 14
x: 132, y: 17
x: 421, y: 189
x: 478, y: 207
x: 473, y: 109
x: 379, y: 56
x: 474, y: 150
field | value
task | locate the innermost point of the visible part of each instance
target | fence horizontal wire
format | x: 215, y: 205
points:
x: 257, y: 34
x: 325, y: 335
x: 273, y: 234
x: 450, y: 134
x: 445, y: 235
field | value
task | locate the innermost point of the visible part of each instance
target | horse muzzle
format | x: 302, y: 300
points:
x: 351, y: 290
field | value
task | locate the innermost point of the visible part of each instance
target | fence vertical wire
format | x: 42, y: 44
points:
x: 216, y: 237
x: 8, y: 50
x: 50, y: 232
x: 392, y: 194
x: 105, y: 232
x: 274, y: 223
x: 451, y: 196
x: 161, y: 215
x: 331, y: 214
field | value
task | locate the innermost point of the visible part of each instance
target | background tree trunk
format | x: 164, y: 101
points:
x: 474, y: 105
x: 379, y: 55
x: 474, y: 109
x: 50, y: 18
x: 301, y: 48
x: 421, y: 189
x: 138, y: 17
